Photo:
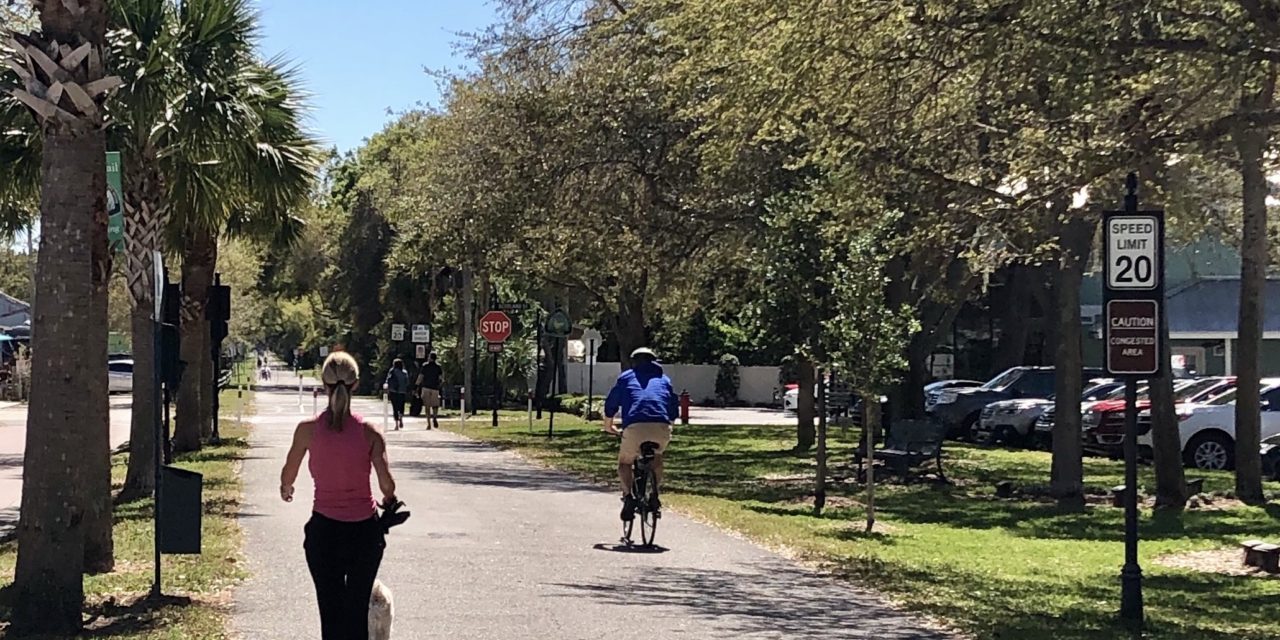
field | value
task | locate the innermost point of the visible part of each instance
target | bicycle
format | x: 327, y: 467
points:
x: 644, y: 492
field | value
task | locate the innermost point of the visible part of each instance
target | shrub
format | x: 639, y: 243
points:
x: 577, y: 405
x: 728, y: 379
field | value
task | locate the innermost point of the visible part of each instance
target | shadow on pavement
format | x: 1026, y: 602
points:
x: 630, y: 548
x: 769, y: 599
x: 504, y: 476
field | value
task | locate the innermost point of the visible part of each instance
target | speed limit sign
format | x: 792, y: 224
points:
x: 1133, y: 252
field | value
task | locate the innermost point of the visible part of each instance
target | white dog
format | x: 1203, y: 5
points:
x: 381, y: 611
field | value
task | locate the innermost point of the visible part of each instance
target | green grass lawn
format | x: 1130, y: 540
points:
x: 197, y: 587
x: 995, y: 568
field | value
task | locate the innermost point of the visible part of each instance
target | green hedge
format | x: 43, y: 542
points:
x: 577, y: 405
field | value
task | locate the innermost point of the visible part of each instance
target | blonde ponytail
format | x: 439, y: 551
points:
x: 340, y: 374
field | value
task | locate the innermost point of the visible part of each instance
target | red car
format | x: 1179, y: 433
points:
x: 1102, y: 426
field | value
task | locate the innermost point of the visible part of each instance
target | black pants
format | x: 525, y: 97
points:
x: 343, y: 558
x: 397, y: 404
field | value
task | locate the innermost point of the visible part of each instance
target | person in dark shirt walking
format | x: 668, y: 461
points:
x: 429, y: 387
x: 396, y: 386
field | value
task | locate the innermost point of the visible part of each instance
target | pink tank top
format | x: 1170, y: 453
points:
x: 340, y: 465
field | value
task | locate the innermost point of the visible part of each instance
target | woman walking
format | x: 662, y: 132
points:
x: 344, y: 539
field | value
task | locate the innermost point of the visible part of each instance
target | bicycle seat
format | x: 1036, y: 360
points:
x: 648, y: 450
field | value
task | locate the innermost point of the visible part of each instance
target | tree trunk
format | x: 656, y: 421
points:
x: 806, y: 378
x: 1067, y: 474
x: 629, y: 321
x: 140, y: 479
x: 820, y: 483
x: 99, y: 546
x: 1251, y: 145
x: 197, y: 275
x: 48, y: 589
x: 65, y: 419
x: 1166, y: 443
x: 143, y: 223
x: 206, y: 378
x: 1015, y: 327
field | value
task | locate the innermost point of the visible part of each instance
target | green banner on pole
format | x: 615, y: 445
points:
x: 115, y: 202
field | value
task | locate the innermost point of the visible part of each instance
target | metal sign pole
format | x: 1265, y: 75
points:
x: 591, y: 376
x: 497, y: 397
x: 160, y: 430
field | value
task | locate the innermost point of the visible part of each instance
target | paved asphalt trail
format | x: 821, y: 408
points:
x: 498, y: 548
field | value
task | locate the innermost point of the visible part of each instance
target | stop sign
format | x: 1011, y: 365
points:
x: 495, y: 327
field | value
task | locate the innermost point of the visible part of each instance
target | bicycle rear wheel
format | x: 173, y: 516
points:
x: 648, y: 516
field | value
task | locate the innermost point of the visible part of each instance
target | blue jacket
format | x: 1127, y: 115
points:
x: 643, y: 394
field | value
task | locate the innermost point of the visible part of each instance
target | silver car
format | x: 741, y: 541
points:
x: 120, y: 376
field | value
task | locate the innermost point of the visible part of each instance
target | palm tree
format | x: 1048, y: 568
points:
x: 65, y: 85
x: 269, y: 163
x: 171, y: 119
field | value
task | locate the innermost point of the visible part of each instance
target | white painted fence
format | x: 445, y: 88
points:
x: 757, y: 387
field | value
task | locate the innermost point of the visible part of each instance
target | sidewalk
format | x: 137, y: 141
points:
x: 500, y: 548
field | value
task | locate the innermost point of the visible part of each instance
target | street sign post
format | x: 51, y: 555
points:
x: 397, y: 332
x: 1133, y: 296
x: 421, y: 334
x: 495, y: 328
x: 593, y: 339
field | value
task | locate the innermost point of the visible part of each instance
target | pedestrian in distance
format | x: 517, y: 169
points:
x: 429, y: 377
x: 345, y: 538
x: 397, y: 386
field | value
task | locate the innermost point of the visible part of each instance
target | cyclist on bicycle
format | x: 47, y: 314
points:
x: 648, y: 404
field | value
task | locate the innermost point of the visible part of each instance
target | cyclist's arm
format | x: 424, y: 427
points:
x: 612, y: 407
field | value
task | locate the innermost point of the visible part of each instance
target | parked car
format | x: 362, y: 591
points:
x: 1102, y: 426
x: 120, y: 376
x: 1014, y: 421
x: 960, y: 409
x: 933, y: 390
x: 1043, y: 437
x: 1208, y: 430
x: 838, y: 398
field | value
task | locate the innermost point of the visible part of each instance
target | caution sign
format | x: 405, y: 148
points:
x: 1133, y: 337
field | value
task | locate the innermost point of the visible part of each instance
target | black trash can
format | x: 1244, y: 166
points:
x: 181, y: 508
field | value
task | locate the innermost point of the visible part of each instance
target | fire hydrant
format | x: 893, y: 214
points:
x: 684, y: 408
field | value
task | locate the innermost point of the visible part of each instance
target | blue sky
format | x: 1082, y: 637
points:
x: 360, y: 59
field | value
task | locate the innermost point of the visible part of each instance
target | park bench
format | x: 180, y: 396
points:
x: 909, y: 444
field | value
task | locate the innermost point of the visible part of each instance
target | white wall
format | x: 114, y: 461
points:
x: 757, y: 386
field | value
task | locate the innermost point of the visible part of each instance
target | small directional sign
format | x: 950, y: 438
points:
x: 397, y: 332
x: 495, y: 347
x: 421, y: 334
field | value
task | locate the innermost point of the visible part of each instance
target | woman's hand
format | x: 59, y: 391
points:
x: 286, y: 492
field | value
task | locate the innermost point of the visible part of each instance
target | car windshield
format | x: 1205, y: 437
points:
x: 1187, y: 390
x: 1226, y: 398
x: 1003, y: 380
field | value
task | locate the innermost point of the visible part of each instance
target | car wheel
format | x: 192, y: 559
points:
x: 1212, y: 451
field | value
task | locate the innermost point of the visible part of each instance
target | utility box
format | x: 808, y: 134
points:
x: 181, y: 509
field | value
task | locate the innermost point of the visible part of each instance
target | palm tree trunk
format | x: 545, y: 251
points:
x: 51, y: 530
x: 67, y: 409
x: 99, y: 546
x: 197, y: 275
x: 140, y: 479
x: 1067, y: 471
x: 142, y: 225
x: 1251, y: 145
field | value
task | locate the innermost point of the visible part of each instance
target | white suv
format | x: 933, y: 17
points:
x: 1208, y: 430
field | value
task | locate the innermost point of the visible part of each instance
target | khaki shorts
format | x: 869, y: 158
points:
x: 639, y: 433
x: 430, y: 398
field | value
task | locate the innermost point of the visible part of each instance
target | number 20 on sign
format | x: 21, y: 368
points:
x: 1133, y: 252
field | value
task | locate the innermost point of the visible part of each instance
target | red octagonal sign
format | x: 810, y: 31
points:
x: 495, y: 327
